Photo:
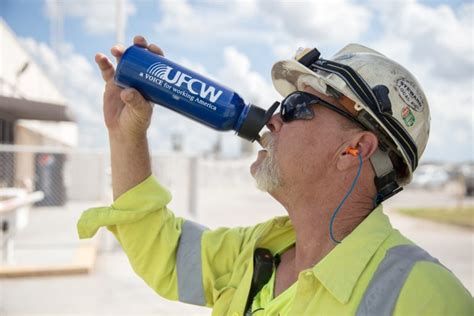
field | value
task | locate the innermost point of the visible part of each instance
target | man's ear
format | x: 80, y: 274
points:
x: 364, y: 143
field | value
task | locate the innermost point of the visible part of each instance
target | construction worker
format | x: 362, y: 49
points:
x: 349, y: 135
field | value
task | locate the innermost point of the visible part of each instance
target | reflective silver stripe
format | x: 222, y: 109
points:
x: 188, y: 264
x: 382, y: 293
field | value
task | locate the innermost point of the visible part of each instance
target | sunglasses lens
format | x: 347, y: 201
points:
x: 296, y: 106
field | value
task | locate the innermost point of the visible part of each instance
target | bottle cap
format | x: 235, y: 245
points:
x: 255, y: 120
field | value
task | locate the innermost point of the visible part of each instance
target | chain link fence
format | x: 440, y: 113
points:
x: 64, y: 174
x: 61, y: 174
x: 68, y: 179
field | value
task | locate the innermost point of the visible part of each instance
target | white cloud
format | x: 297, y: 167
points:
x: 204, y: 18
x: 238, y: 74
x: 99, y: 17
x: 437, y: 37
x: 74, y: 76
x: 322, y: 21
x: 282, y: 24
x: 435, y: 43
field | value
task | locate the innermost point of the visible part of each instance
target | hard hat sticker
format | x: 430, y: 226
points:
x: 410, y: 94
x: 407, y: 116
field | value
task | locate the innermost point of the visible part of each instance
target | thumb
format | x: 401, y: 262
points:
x: 135, y: 100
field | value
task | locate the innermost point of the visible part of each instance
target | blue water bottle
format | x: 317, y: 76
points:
x: 164, y: 82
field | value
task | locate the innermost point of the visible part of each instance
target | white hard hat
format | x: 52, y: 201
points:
x: 386, y: 97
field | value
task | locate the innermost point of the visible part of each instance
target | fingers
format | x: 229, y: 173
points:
x: 117, y: 52
x: 141, y: 41
x: 105, y: 66
x: 133, y: 98
x: 155, y: 49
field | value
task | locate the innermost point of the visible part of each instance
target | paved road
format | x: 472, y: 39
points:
x: 113, y: 288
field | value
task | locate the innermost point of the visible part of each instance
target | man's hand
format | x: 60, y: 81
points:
x: 127, y: 114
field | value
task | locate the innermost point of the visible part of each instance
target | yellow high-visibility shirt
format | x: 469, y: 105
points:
x: 182, y: 260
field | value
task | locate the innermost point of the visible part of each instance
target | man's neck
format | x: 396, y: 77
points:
x: 311, y: 210
x: 313, y: 241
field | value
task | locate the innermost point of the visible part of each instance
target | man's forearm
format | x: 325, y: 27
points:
x: 130, y: 163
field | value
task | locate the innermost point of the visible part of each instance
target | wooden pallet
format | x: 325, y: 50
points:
x: 83, y: 262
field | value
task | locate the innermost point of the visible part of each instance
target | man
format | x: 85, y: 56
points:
x: 349, y: 134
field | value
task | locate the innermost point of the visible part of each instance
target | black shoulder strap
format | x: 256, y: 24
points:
x: 263, y: 264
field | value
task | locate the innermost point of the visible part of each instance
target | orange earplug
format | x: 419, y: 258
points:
x: 352, y: 151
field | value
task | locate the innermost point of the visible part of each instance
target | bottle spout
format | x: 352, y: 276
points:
x: 255, y: 121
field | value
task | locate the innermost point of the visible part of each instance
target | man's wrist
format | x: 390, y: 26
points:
x: 117, y: 136
x: 130, y: 162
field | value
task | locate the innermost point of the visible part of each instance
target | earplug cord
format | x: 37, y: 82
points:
x: 333, y: 217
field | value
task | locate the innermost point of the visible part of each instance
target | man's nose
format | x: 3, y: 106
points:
x: 275, y: 123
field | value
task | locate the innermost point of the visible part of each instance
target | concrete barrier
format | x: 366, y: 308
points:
x: 14, y: 208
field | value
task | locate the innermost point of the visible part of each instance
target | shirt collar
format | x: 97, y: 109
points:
x: 341, y: 268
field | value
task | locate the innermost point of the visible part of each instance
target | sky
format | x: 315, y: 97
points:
x: 237, y: 42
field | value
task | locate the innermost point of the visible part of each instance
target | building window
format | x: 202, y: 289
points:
x: 6, y: 132
x: 6, y: 158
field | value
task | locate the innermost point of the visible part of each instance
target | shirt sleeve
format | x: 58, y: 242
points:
x: 147, y: 231
x: 179, y: 259
x: 431, y: 290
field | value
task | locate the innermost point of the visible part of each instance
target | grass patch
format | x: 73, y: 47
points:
x: 457, y: 216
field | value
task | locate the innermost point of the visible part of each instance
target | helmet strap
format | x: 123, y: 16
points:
x: 385, y: 176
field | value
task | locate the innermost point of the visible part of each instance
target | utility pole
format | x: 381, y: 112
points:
x: 56, y: 32
x: 119, y: 22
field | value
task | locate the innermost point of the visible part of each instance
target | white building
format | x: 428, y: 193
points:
x: 32, y: 111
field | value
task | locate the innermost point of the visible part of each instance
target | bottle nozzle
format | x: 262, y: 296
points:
x: 255, y: 121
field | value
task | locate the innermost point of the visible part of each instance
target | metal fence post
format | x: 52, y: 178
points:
x: 193, y: 186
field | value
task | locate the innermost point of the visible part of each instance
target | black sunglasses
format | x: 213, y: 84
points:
x: 297, y: 106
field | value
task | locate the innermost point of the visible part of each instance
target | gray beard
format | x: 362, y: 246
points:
x: 267, y: 176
